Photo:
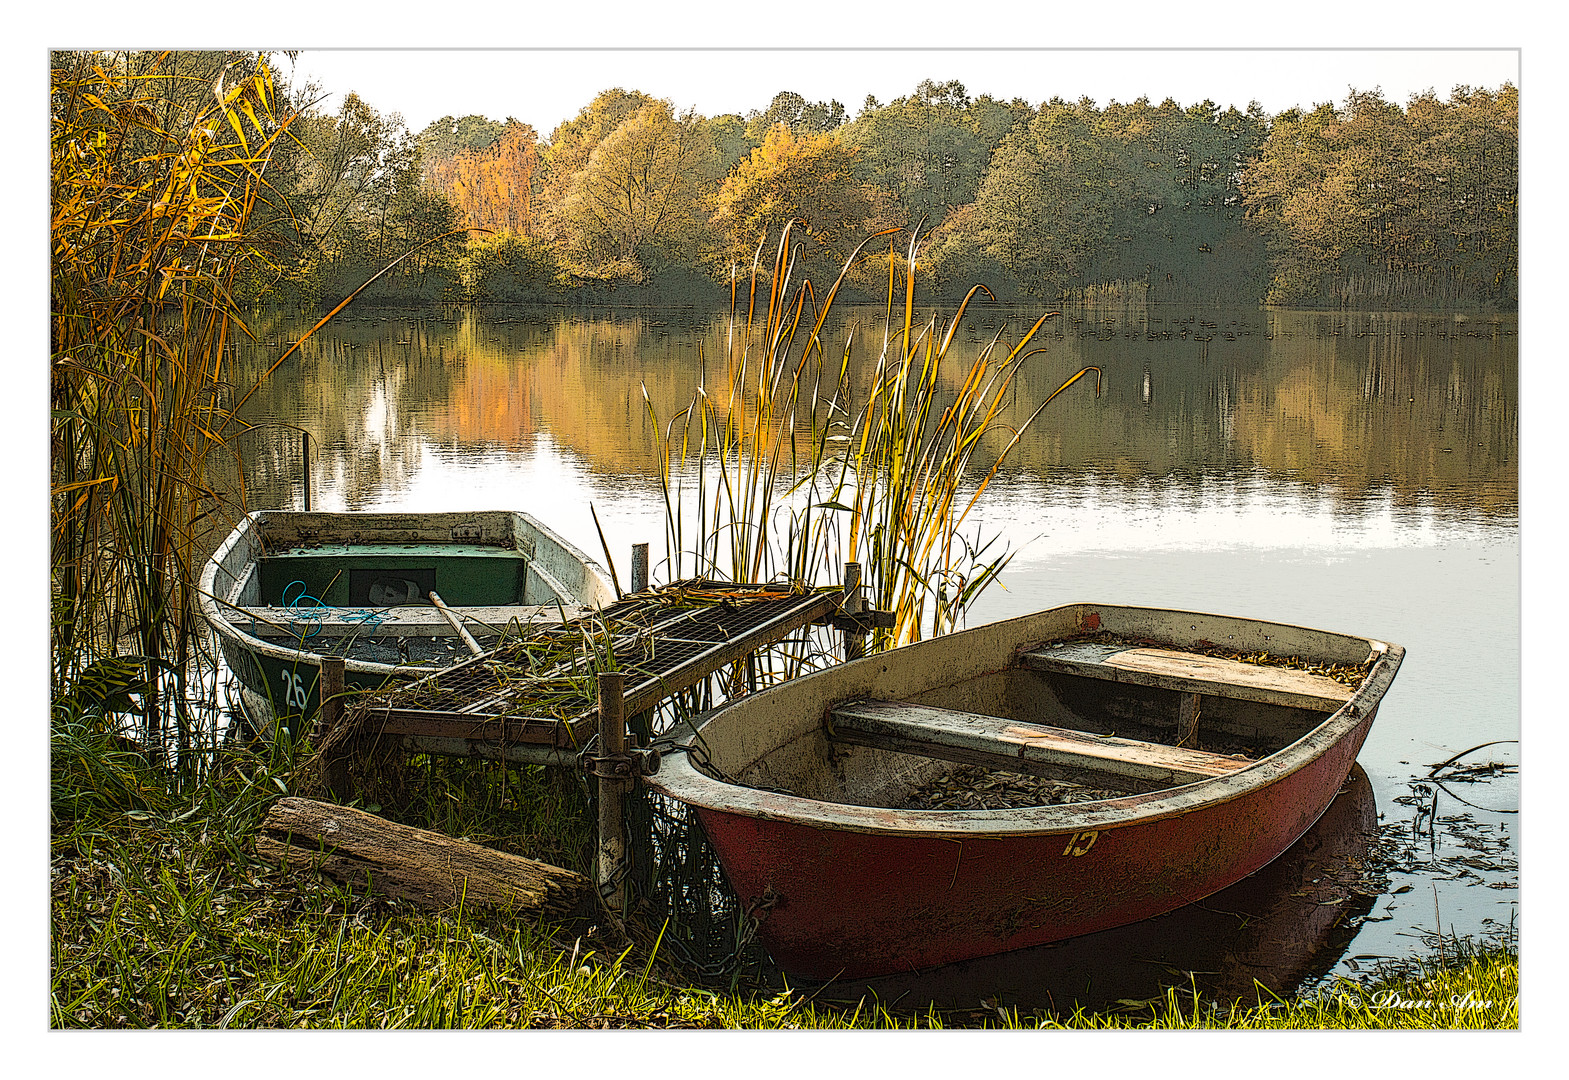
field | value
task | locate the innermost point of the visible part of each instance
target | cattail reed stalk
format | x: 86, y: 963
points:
x: 791, y: 476
x: 153, y: 185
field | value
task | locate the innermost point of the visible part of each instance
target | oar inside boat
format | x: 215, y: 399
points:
x: 455, y: 623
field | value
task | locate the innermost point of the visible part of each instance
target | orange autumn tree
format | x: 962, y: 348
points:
x: 809, y: 178
x: 493, y: 187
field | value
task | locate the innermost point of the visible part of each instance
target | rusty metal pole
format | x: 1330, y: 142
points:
x: 612, y: 789
x: 639, y: 567
x: 854, y: 640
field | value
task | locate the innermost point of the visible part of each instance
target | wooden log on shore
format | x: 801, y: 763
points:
x: 432, y: 870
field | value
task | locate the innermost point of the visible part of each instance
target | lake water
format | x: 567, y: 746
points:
x: 1350, y: 471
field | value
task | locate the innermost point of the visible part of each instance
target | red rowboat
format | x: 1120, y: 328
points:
x: 1215, y: 743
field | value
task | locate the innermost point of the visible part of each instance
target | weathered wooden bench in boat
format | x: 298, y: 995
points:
x: 1034, y: 749
x: 1223, y: 755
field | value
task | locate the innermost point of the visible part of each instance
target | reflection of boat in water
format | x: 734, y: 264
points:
x: 1279, y: 928
x: 393, y: 594
x: 1205, y: 767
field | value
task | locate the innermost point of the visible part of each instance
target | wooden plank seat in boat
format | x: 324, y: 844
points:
x: 1192, y: 673
x: 1002, y: 743
x: 405, y: 620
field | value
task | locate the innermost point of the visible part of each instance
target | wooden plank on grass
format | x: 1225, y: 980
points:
x: 432, y: 870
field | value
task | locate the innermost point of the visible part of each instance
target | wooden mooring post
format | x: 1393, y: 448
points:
x: 639, y: 567
x: 612, y: 768
x: 305, y: 455
x: 854, y: 639
x: 335, y: 772
x: 331, y: 690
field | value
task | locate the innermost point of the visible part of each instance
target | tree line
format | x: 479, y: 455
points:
x: 1363, y: 202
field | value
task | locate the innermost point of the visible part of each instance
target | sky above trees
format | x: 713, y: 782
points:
x: 543, y: 88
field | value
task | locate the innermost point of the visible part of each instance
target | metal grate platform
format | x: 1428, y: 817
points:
x: 539, y: 691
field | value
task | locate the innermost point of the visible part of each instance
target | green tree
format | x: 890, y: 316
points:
x: 792, y: 110
x: 992, y: 119
x: 343, y: 173
x: 355, y: 202
x: 1044, y: 206
x: 1075, y: 195
x: 1177, y: 220
x: 509, y: 268
x: 731, y: 143
x: 925, y: 149
x: 637, y: 204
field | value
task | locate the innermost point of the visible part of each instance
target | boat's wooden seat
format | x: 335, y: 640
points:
x: 1002, y: 743
x: 405, y: 620
x: 1191, y: 673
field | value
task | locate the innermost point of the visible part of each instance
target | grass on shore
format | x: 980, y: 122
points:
x: 163, y: 917
x: 1464, y: 986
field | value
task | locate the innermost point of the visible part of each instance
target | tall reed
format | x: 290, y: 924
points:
x: 157, y: 163
x: 785, y: 470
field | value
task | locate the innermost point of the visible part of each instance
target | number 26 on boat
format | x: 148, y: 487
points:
x: 295, y: 695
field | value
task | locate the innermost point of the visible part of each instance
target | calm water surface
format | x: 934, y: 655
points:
x: 1351, y: 471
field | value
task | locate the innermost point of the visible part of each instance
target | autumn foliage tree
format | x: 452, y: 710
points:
x: 810, y: 179
x: 492, y: 186
x: 568, y: 150
x: 573, y: 141
x: 1369, y: 202
x: 627, y: 185
x: 1378, y: 203
x: 444, y: 139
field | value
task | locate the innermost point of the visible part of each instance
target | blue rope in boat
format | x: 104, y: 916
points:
x: 312, y: 615
x: 311, y: 611
x: 371, y: 619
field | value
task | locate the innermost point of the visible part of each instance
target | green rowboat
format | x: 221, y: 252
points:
x: 398, y: 596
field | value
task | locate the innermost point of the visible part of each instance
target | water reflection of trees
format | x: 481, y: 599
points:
x: 1347, y: 403
x: 1423, y: 406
